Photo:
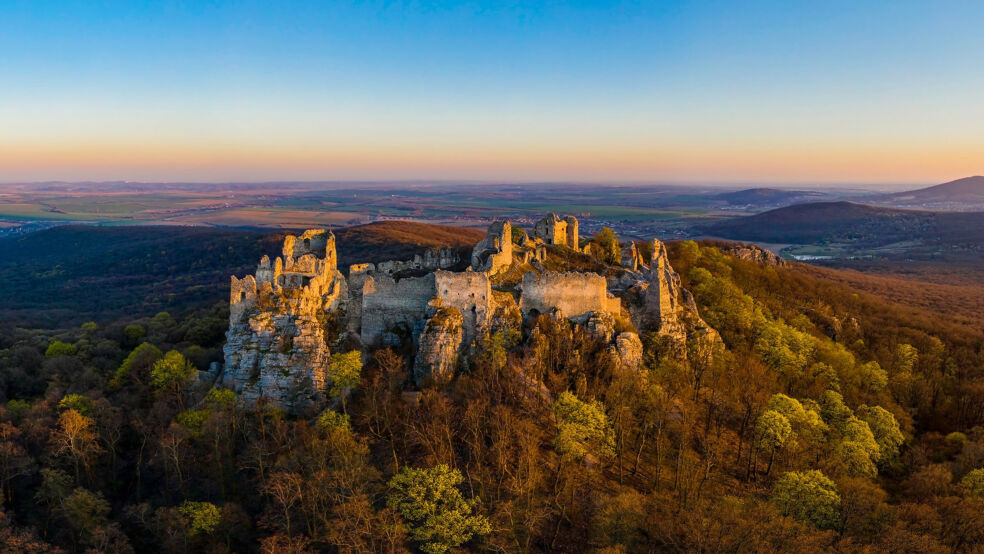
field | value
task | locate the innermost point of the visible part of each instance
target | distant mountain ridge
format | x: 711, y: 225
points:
x: 959, y: 195
x: 861, y: 224
x: 764, y: 196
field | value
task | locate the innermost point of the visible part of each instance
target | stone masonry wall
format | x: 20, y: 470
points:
x: 387, y: 302
x: 576, y: 295
x: 470, y: 293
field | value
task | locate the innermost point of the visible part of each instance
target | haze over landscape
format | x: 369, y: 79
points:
x: 434, y: 277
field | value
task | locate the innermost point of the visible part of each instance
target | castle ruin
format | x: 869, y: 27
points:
x: 286, y: 320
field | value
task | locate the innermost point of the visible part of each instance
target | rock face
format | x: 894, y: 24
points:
x: 753, y: 253
x: 629, y: 350
x: 658, y: 301
x: 286, y: 319
x: 276, y: 344
x: 439, y: 347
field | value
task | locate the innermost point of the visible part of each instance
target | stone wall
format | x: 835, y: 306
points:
x: 431, y: 260
x: 242, y: 296
x: 387, y: 303
x: 470, y: 293
x: 572, y: 233
x: 576, y: 295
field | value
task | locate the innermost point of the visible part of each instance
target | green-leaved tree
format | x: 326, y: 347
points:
x: 808, y: 496
x: 436, y: 513
x: 344, y: 372
x: 582, y: 428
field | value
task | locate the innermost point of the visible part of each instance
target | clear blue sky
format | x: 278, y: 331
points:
x: 665, y: 91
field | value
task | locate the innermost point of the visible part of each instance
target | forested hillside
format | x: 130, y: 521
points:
x: 833, y: 419
x: 73, y: 274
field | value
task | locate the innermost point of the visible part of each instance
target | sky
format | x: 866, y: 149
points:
x: 715, y: 91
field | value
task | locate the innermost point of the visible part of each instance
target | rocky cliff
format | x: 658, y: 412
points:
x: 276, y: 346
x: 439, y: 347
x: 658, y: 302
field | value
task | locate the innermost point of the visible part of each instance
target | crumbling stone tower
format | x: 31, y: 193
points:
x: 495, y: 252
x: 557, y: 231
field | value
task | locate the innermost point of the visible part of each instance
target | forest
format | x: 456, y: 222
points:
x: 832, y: 419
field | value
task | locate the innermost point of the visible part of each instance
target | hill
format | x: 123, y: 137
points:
x: 769, y: 197
x: 71, y: 274
x: 858, y: 224
x: 960, y: 195
x: 399, y: 240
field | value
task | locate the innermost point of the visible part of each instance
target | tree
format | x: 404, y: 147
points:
x: 833, y: 410
x: 86, y: 512
x: 858, y: 451
x: 906, y: 357
x: 973, y: 483
x: 784, y: 348
x: 81, y: 404
x: 133, y: 333
x: 605, y: 247
x: 436, y: 513
x: 885, y: 429
x: 14, y: 459
x: 75, y: 437
x: 808, y: 496
x: 773, y: 430
x: 171, y: 373
x: 806, y: 423
x: 137, y: 364
x: 330, y: 420
x: 873, y: 376
x: 202, y: 517
x: 59, y: 348
x: 54, y: 487
x: 582, y: 428
x: 344, y: 372
x: 286, y: 490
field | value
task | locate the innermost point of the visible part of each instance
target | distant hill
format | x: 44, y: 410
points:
x: 399, y: 240
x: 962, y: 194
x: 71, y: 274
x: 857, y: 223
x: 769, y: 197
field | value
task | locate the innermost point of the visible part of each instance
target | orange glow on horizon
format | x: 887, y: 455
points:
x: 569, y: 161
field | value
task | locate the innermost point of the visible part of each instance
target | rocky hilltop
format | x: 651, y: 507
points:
x: 287, y: 319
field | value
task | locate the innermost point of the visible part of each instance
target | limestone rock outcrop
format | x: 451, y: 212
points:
x: 276, y: 346
x: 628, y: 346
x: 659, y: 302
x: 439, y: 347
x: 753, y: 253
